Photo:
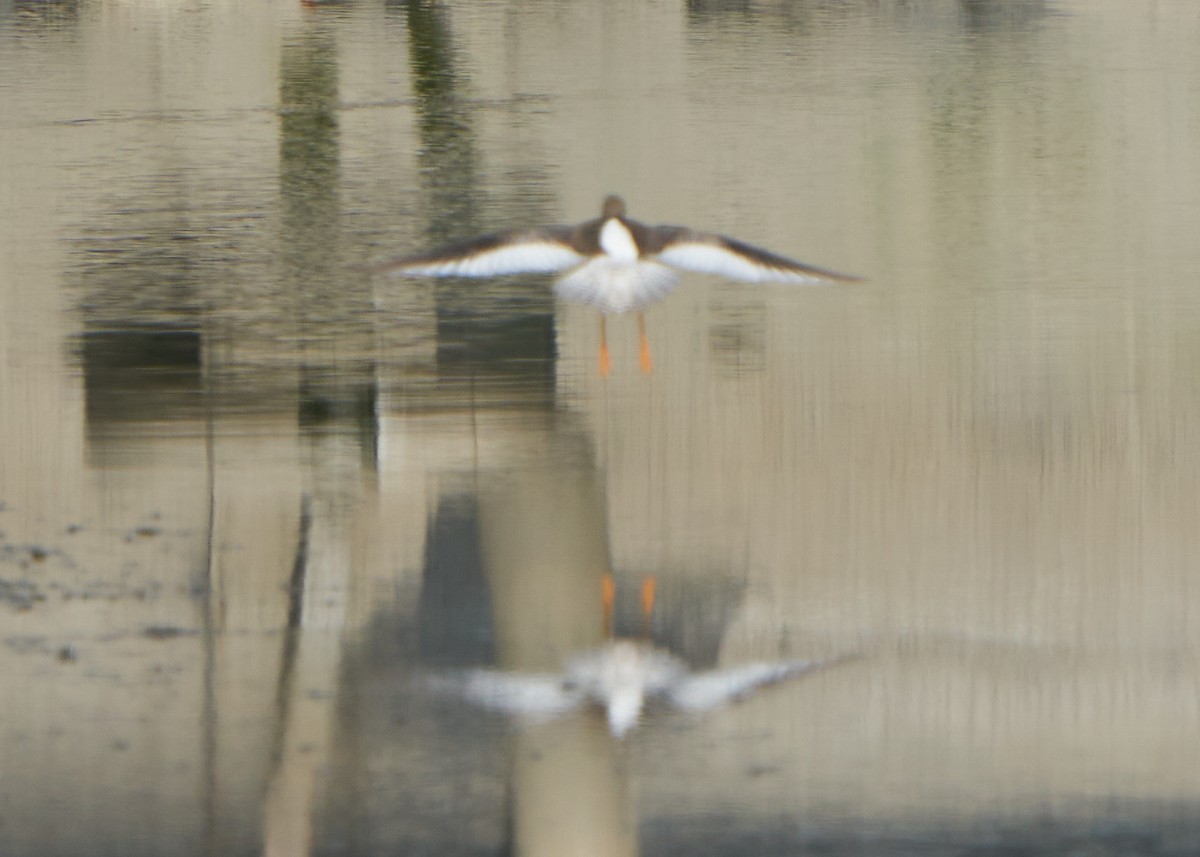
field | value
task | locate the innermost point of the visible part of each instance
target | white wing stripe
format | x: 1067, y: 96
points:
x: 713, y: 259
x: 710, y: 689
x: 520, y: 694
x: 542, y: 257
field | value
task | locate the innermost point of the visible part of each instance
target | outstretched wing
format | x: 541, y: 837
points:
x: 701, y: 691
x: 512, y: 693
x: 527, y: 251
x: 708, y: 253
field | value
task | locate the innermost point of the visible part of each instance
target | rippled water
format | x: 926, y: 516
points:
x: 260, y: 510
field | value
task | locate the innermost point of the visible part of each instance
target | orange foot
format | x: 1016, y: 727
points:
x: 644, y: 358
x: 608, y: 590
x: 649, y: 586
x: 644, y: 347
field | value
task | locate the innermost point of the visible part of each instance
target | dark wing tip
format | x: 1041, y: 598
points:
x: 782, y: 263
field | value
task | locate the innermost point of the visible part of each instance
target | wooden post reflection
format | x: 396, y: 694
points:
x: 544, y: 538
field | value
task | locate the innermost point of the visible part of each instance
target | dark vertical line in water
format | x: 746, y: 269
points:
x: 299, y: 566
x: 449, y: 174
x: 508, y: 846
x: 449, y: 163
x: 505, y: 344
x: 367, y: 422
x: 310, y: 173
x: 209, y: 632
x: 283, y: 692
x: 474, y: 411
x: 291, y: 637
x: 291, y: 643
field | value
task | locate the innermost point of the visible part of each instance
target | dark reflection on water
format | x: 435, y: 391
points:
x: 309, y: 158
x: 455, y: 626
x: 986, y: 16
x: 142, y: 374
x: 1104, y: 831
x: 37, y: 16
x: 474, y: 336
x: 701, y: 8
x: 447, y: 153
x: 738, y: 333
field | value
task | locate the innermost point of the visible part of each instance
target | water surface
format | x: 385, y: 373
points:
x: 252, y: 499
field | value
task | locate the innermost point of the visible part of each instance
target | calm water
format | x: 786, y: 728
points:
x: 257, y: 506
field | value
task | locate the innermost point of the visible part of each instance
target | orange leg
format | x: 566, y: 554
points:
x: 649, y: 585
x: 644, y: 346
x: 608, y: 591
x: 605, y: 357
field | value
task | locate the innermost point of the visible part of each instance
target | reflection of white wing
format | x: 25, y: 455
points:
x: 519, y: 694
x: 708, y: 690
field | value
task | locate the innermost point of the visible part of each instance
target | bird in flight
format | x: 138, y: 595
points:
x: 619, y: 678
x: 613, y: 263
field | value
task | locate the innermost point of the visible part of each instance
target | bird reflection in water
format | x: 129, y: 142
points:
x: 613, y: 263
x: 619, y: 678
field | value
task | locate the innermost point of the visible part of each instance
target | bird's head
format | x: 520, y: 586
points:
x: 614, y: 206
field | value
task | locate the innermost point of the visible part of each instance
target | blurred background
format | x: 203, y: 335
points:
x: 252, y: 499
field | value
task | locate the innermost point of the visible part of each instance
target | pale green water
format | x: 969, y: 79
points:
x: 252, y: 499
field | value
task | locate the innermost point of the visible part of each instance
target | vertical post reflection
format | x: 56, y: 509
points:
x: 544, y: 540
x: 475, y: 338
x: 336, y: 384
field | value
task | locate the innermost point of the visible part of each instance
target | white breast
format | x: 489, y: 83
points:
x: 617, y: 241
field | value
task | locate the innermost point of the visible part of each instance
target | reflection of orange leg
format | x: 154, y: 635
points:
x: 644, y: 346
x: 605, y: 358
x: 608, y: 591
x: 648, y: 590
